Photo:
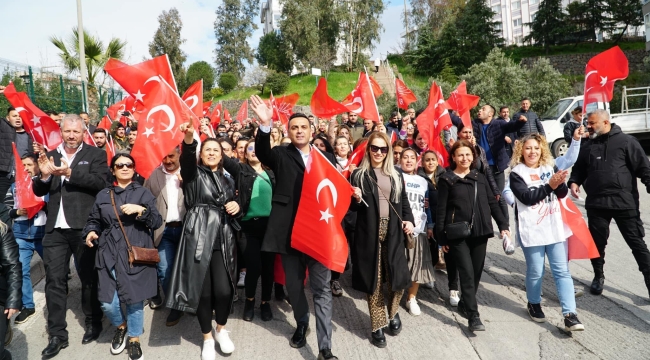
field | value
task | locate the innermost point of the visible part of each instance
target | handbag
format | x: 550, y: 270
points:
x: 461, y: 229
x: 410, y: 241
x: 137, y: 255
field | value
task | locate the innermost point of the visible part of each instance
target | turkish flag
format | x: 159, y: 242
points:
x: 215, y: 117
x: 324, y: 200
x: 25, y: 198
x: 110, y: 149
x: 460, y: 101
x: 206, y: 107
x: 601, y: 73
x: 226, y: 116
x: 193, y: 97
x: 355, y: 158
x: 114, y: 111
x: 105, y: 123
x: 432, y: 121
x: 133, y: 78
x: 88, y: 138
x: 361, y: 102
x: 393, y: 136
x: 404, y: 95
x: 322, y: 105
x: 581, y: 243
x: 158, y: 132
x: 41, y: 127
x: 242, y: 114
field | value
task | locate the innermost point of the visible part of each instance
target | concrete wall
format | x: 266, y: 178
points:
x: 233, y: 107
x: 575, y: 63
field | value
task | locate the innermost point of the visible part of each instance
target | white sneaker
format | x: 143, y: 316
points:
x: 208, y: 352
x: 225, y: 344
x: 242, y: 279
x: 454, y: 298
x: 413, y: 307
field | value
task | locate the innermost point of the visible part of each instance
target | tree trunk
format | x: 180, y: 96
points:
x: 93, y: 104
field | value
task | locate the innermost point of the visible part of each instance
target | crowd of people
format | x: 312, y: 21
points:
x: 218, y: 215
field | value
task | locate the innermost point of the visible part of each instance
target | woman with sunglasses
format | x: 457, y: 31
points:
x: 419, y: 259
x: 379, y: 252
x: 124, y: 211
x: 255, y: 185
x: 203, y: 276
x: 463, y: 225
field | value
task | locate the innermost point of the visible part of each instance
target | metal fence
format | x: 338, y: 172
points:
x: 56, y: 92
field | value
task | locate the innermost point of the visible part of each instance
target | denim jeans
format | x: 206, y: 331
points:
x: 134, y: 315
x: 26, y: 250
x: 559, y: 264
x: 167, y: 251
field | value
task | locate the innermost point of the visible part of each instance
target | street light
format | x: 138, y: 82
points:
x: 27, y: 82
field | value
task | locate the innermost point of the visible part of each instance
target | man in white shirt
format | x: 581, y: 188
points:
x: 165, y: 184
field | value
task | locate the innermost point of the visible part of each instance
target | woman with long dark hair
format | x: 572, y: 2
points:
x: 255, y: 185
x: 383, y: 219
x: 124, y: 215
x: 203, y: 277
x: 463, y: 225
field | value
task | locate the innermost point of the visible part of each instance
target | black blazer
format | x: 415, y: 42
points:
x: 89, y: 173
x: 289, y: 169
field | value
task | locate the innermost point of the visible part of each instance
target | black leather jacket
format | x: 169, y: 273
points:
x: 207, y: 230
x: 11, y: 272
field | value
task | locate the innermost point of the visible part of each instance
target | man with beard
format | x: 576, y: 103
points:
x: 607, y: 168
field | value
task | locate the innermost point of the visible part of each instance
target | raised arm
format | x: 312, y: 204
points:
x: 188, y: 153
x: 263, y: 139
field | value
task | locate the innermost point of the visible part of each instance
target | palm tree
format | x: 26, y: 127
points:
x: 96, y: 57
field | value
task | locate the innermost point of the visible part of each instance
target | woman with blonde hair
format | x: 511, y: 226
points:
x: 384, y: 218
x: 537, y: 189
x: 342, y: 151
x: 276, y: 136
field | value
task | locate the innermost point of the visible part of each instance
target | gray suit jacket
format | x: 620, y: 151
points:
x: 156, y: 183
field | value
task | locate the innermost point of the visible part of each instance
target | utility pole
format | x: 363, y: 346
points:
x: 82, y: 57
x: 406, y: 21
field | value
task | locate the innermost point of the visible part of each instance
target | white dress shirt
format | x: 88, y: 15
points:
x: 172, y: 187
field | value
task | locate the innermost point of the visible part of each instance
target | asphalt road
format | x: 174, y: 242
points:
x: 617, y: 323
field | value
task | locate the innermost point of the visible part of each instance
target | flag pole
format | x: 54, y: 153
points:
x: 372, y: 92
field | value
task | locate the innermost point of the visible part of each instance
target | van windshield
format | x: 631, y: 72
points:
x: 557, y: 109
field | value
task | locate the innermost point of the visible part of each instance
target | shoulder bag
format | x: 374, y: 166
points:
x: 461, y: 229
x: 410, y: 241
x: 137, y: 255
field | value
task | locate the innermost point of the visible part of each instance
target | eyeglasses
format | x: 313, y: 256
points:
x: 410, y: 128
x: 251, y: 148
x: 124, y: 165
x: 383, y: 149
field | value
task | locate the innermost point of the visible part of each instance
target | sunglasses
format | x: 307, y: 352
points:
x: 251, y: 148
x: 124, y: 165
x: 383, y: 149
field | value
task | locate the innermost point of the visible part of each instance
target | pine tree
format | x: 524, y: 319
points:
x: 232, y: 28
x: 477, y: 32
x: 167, y: 40
x: 549, y: 25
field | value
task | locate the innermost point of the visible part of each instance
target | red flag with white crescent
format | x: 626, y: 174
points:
x: 206, y: 107
x: 355, y: 158
x: 105, y: 123
x: 215, y: 117
x: 462, y: 102
x: 601, y: 73
x: 25, y: 198
x: 242, y: 114
x: 193, y: 97
x: 581, y: 243
x: 361, y: 100
x: 324, y: 201
x: 322, y: 105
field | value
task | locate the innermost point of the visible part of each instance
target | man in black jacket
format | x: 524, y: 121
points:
x: 533, y: 122
x: 72, y: 174
x: 11, y: 131
x: 608, y: 167
x: 288, y: 164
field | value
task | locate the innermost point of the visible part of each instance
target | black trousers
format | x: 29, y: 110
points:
x: 258, y: 262
x: 452, y: 271
x: 631, y: 227
x: 216, y: 295
x: 58, y: 247
x: 4, y: 324
x: 500, y: 179
x: 470, y: 258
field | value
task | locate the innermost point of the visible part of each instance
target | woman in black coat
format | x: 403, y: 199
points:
x: 203, y: 275
x: 11, y: 280
x: 379, y: 252
x: 458, y: 189
x: 255, y: 185
x: 119, y: 281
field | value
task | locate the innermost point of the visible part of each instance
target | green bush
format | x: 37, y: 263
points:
x: 213, y: 93
x: 227, y: 82
x: 277, y: 82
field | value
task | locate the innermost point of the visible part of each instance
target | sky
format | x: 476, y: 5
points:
x: 25, y: 40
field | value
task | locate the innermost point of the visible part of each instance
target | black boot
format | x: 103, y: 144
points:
x: 378, y: 338
x: 249, y: 310
x: 597, y: 285
x: 646, y: 277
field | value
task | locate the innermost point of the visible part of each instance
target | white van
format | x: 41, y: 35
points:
x: 633, y: 119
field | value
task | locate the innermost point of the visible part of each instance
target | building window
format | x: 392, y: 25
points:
x: 516, y: 22
x: 498, y: 27
x: 532, y: 2
x: 496, y: 9
x: 533, y: 16
x: 519, y: 40
x: 516, y: 5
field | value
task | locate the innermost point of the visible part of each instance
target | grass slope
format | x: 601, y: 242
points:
x: 339, y: 85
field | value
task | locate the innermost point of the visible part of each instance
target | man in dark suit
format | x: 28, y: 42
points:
x: 288, y: 165
x: 72, y: 175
